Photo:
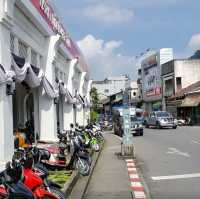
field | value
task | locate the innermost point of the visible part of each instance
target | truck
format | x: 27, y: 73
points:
x: 136, y: 121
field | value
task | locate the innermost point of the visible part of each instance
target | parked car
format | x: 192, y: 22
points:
x: 161, y: 119
x: 137, y: 125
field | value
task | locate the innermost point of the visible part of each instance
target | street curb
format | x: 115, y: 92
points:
x: 68, y: 186
x: 80, y: 183
x: 92, y: 169
x: 137, y: 183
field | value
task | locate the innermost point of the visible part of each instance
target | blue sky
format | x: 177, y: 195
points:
x: 112, y: 32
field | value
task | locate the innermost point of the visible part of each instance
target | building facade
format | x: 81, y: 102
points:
x: 151, y: 78
x: 112, y: 85
x: 177, y: 75
x: 135, y: 93
x: 41, y: 62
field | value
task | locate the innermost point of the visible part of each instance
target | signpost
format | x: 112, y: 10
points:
x: 127, y: 143
x: 127, y: 137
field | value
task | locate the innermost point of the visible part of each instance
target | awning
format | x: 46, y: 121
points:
x: 191, y: 101
x: 81, y: 99
x: 69, y: 98
x: 117, y: 100
x: 24, y: 71
x: 2, y: 75
x: 49, y: 88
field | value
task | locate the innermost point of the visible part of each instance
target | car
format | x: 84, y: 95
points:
x: 137, y: 125
x: 161, y: 119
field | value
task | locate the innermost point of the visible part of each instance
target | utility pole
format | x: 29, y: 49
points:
x: 127, y: 148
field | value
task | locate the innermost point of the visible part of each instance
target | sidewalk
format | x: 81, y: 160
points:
x: 110, y: 178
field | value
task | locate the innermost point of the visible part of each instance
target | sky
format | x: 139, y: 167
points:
x: 112, y: 33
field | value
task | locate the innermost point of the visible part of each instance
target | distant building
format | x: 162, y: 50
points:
x: 185, y: 103
x: 135, y: 94
x: 177, y: 75
x: 112, y: 85
x: 150, y: 78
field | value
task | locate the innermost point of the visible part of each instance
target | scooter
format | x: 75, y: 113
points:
x: 35, y: 178
x: 11, y: 186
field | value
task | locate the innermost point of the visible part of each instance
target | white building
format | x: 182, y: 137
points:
x: 135, y: 93
x: 112, y: 85
x: 178, y: 74
x: 38, y: 56
x: 151, y: 77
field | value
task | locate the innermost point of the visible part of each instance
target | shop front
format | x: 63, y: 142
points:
x: 38, y: 64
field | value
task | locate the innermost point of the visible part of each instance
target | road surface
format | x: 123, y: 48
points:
x: 170, y: 162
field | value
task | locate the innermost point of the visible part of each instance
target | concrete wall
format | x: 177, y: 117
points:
x: 188, y: 70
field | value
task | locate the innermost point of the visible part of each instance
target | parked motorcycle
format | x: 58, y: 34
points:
x: 35, y: 175
x: 11, y: 185
x: 68, y: 153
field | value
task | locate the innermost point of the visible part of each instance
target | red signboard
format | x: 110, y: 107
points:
x: 154, y: 92
x: 150, y: 61
x: 48, y: 14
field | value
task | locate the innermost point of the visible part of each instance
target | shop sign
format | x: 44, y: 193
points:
x: 154, y: 92
x: 150, y: 61
x: 48, y: 14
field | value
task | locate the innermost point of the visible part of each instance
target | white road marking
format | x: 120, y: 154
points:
x: 132, y: 169
x: 139, y: 194
x: 136, y: 184
x: 175, y: 151
x: 174, y: 177
x: 129, y: 160
x: 129, y: 164
x: 134, y: 176
x: 195, y: 142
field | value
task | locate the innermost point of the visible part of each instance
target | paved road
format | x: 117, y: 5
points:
x: 172, y: 158
x: 110, y: 178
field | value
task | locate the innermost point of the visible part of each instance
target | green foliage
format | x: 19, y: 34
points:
x: 93, y: 116
x: 59, y: 177
x: 95, y: 99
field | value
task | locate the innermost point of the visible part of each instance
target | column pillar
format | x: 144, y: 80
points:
x: 48, y: 126
x: 68, y: 108
x: 80, y: 110
x: 88, y: 98
x: 6, y: 111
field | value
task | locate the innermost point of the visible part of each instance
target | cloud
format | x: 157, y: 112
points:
x: 104, y: 59
x: 194, y: 42
x: 108, y: 14
x: 103, y: 13
x: 144, y: 3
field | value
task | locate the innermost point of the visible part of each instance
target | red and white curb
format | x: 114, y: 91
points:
x: 135, y: 180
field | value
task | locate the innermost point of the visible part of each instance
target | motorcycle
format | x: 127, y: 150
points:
x: 68, y: 153
x: 35, y: 176
x: 11, y: 185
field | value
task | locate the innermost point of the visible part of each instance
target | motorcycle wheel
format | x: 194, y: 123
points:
x: 96, y: 147
x: 82, y: 166
x: 57, y: 193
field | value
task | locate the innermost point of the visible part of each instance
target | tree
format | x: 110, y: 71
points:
x: 95, y: 104
x: 95, y: 99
